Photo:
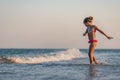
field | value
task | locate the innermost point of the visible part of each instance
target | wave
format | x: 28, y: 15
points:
x: 58, y: 56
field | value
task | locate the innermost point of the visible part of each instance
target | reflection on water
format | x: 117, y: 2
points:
x: 92, y: 72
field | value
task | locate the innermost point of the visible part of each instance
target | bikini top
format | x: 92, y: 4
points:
x: 91, y: 29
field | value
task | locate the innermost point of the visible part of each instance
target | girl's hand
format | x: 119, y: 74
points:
x: 84, y: 34
x: 110, y: 37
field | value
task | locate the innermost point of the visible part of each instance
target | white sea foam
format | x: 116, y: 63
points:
x: 58, y: 56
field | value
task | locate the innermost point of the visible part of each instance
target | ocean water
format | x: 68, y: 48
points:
x: 58, y: 64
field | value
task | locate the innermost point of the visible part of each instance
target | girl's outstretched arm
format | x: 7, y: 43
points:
x: 102, y: 32
x: 84, y: 34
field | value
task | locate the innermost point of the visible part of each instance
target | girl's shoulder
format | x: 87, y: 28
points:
x: 94, y: 26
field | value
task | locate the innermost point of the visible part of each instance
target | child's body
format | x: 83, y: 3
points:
x: 91, y: 31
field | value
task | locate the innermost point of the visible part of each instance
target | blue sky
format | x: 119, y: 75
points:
x: 57, y: 23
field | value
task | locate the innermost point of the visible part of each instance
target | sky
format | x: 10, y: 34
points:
x: 57, y: 23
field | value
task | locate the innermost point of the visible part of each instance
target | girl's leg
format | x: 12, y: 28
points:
x: 94, y: 58
x: 91, y: 53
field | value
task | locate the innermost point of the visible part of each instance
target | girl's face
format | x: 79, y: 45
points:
x: 88, y: 24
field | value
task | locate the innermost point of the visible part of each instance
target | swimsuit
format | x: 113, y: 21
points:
x: 89, y: 30
x: 91, y: 41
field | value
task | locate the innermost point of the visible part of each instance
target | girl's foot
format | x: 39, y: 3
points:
x: 97, y: 62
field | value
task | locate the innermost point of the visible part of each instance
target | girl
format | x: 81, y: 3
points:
x: 91, y: 31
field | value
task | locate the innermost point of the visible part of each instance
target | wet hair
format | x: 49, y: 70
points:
x: 88, y: 19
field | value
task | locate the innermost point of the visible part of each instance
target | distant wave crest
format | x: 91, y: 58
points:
x: 58, y: 56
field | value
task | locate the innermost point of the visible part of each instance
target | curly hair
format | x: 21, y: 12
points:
x: 88, y: 19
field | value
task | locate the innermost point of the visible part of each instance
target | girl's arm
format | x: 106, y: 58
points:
x: 84, y: 34
x: 103, y: 33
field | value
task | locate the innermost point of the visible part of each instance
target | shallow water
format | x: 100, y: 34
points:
x: 75, y: 67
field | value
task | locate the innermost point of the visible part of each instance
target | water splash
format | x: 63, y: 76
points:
x: 58, y: 56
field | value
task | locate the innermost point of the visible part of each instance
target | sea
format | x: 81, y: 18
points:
x: 58, y: 64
